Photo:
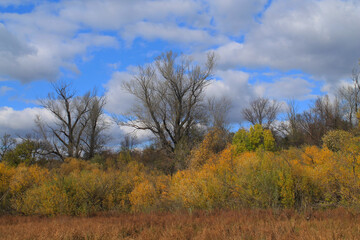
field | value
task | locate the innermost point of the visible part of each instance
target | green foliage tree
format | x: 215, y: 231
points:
x: 26, y: 152
x: 255, y: 138
x: 7, y: 143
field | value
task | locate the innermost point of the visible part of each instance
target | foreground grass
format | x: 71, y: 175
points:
x: 245, y: 224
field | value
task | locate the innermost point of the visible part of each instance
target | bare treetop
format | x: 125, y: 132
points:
x: 262, y: 111
x: 170, y: 97
x: 78, y: 124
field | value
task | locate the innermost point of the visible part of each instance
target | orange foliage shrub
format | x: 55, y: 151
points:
x: 76, y: 165
x: 218, y: 177
x: 214, y: 142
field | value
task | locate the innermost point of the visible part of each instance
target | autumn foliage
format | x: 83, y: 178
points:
x: 248, y: 173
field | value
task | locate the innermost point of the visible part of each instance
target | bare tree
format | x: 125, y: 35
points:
x: 76, y: 121
x: 218, y: 112
x: 290, y: 133
x: 170, y: 98
x: 348, y: 102
x: 355, y: 78
x: 128, y: 142
x: 94, y: 138
x: 323, y: 116
x: 349, y: 97
x: 7, y: 143
x: 261, y: 111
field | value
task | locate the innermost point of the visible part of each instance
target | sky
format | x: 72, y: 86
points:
x: 279, y: 49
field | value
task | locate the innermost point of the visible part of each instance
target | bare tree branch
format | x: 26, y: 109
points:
x: 262, y: 111
x: 170, y: 97
x: 78, y: 122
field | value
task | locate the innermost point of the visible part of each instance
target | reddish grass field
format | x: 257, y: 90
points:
x: 245, y: 224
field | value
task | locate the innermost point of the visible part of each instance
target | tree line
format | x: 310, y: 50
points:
x: 248, y: 172
x: 171, y: 105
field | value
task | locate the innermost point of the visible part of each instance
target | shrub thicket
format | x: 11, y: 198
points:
x: 302, y: 178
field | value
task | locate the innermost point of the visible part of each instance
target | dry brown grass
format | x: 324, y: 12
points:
x: 245, y: 224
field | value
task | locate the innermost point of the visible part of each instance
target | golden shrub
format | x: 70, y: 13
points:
x: 143, y: 197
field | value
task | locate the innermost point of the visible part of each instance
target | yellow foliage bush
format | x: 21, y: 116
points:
x: 213, y: 143
x: 24, y: 179
x: 143, y: 197
x: 47, y: 199
x: 76, y: 165
x: 6, y: 174
x: 294, y: 178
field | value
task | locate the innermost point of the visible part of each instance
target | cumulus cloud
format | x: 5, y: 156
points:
x: 34, y: 46
x: 172, y: 33
x: 184, y: 21
x: 117, y: 133
x: 51, y: 35
x: 46, y: 60
x: 9, y: 44
x: 141, y: 136
x: 233, y: 85
x: 316, y: 37
x: 286, y: 88
x: 235, y: 17
x: 286, y: 34
x: 114, y: 15
x: 118, y: 100
x: 16, y: 53
x: 21, y: 122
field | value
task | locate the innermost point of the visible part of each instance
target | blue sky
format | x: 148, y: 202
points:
x: 279, y: 49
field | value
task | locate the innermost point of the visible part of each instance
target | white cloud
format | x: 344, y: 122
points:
x: 235, y: 17
x: 117, y: 133
x: 320, y: 38
x: 234, y: 86
x: 172, y: 33
x: 10, y: 44
x: 21, y: 122
x: 49, y: 55
x: 118, y: 100
x: 49, y: 37
x: 286, y: 88
x: 113, y: 14
x: 141, y: 136
x: 229, y: 55
x: 36, y: 45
